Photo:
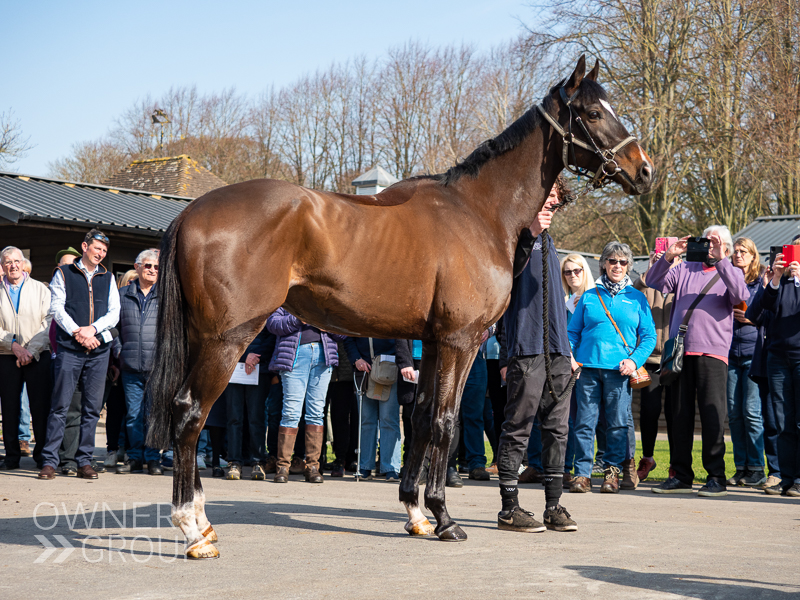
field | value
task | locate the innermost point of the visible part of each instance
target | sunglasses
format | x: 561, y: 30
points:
x: 614, y: 261
x: 100, y: 238
x: 575, y: 272
x: 150, y: 266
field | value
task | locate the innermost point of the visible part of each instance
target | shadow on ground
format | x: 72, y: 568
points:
x: 691, y: 586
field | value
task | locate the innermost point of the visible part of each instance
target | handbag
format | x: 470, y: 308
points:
x: 672, y: 355
x: 381, y: 377
x: 640, y: 378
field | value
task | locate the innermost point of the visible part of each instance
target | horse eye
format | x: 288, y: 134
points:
x: 594, y: 115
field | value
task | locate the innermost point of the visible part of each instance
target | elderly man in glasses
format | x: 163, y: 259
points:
x: 137, y: 332
x: 85, y: 306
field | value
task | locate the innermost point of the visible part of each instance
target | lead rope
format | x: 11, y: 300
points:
x: 546, y: 326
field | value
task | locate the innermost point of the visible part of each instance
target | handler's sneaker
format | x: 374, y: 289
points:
x: 234, y: 472
x: 519, y: 519
x: 558, y: 519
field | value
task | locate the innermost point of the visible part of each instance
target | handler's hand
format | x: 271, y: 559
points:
x: 408, y: 373
x: 363, y: 365
x: 541, y: 222
x: 627, y: 367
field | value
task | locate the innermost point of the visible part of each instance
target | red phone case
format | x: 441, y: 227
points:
x: 791, y: 253
x: 663, y: 243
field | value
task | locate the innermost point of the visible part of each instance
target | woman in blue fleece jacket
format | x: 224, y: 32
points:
x: 607, y: 364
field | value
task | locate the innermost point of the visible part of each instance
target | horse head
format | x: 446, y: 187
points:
x: 594, y: 139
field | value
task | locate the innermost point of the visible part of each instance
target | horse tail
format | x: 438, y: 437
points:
x: 170, y: 366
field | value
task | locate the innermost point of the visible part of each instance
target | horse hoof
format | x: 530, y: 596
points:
x: 452, y: 533
x: 210, y: 534
x: 419, y: 529
x: 202, y: 549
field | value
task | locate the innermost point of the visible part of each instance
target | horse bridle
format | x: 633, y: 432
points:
x: 609, y: 166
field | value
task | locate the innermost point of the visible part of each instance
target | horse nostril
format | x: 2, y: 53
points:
x: 646, y: 173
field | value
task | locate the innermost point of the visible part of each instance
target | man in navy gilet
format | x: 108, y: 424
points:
x: 84, y: 305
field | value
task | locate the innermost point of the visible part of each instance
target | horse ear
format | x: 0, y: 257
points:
x: 577, y: 76
x: 594, y: 72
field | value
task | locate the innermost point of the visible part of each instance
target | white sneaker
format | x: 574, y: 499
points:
x: 223, y: 463
x: 111, y: 459
x: 201, y: 462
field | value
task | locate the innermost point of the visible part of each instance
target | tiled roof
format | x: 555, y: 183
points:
x: 38, y: 199
x: 176, y: 175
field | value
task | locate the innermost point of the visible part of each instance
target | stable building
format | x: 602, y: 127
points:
x: 41, y: 216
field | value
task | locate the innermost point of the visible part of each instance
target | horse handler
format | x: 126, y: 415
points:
x: 528, y: 392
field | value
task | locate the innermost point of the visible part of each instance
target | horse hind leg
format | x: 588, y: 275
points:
x: 453, y: 367
x: 203, y: 524
x: 188, y: 423
x: 418, y: 524
x: 207, y: 380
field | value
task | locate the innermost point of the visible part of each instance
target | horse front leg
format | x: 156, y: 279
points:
x: 418, y: 524
x: 451, y: 374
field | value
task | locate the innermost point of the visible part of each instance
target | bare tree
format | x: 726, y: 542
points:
x: 13, y: 143
x: 90, y: 162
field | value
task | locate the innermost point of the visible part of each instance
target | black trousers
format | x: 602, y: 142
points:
x: 703, y: 382
x: 116, y: 410
x: 527, y: 395
x: 650, y: 411
x: 37, y: 377
x: 344, y: 420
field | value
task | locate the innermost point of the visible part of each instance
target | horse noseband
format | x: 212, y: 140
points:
x: 609, y: 167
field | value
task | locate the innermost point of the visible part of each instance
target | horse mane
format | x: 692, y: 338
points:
x: 511, y: 137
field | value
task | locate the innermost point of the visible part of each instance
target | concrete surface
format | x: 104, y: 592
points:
x: 345, y: 539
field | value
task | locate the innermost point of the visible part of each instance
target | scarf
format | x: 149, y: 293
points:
x: 611, y: 287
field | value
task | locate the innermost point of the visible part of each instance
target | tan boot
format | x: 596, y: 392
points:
x: 286, y: 439
x: 630, y: 479
x: 313, y: 451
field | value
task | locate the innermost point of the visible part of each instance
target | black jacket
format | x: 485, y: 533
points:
x: 137, y: 329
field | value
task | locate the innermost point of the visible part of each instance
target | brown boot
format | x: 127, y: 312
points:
x: 581, y: 485
x: 611, y: 481
x: 297, y: 466
x: 630, y: 478
x: 286, y: 439
x: 271, y: 464
x: 531, y: 475
x: 313, y: 450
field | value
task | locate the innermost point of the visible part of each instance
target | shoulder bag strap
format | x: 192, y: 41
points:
x: 685, y: 323
x: 371, y: 351
x: 613, y: 322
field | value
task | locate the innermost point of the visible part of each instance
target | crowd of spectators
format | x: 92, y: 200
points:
x: 85, y: 340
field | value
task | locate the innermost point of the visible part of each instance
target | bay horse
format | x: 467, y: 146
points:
x: 428, y: 258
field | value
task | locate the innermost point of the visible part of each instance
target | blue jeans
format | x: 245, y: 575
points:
x: 473, y: 403
x: 134, y: 384
x: 388, y: 413
x: 307, y: 383
x: 784, y: 385
x: 744, y: 416
x: 74, y: 369
x: 569, y: 458
x: 609, y: 389
x: 25, y: 417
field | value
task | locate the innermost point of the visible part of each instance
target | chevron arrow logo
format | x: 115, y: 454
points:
x: 50, y: 548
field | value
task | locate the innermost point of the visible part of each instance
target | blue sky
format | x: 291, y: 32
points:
x: 72, y: 67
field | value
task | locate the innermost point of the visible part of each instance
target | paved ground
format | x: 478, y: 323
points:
x: 346, y: 540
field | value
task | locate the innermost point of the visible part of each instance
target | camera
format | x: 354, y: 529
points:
x: 697, y: 249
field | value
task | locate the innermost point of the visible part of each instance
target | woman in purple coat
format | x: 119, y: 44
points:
x: 304, y: 356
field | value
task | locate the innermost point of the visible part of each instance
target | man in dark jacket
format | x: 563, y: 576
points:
x: 85, y: 305
x: 528, y: 392
x: 138, y: 316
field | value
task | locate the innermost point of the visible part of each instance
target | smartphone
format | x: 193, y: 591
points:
x: 663, y: 243
x: 791, y: 253
x: 773, y: 252
x: 742, y: 306
x: 697, y: 249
